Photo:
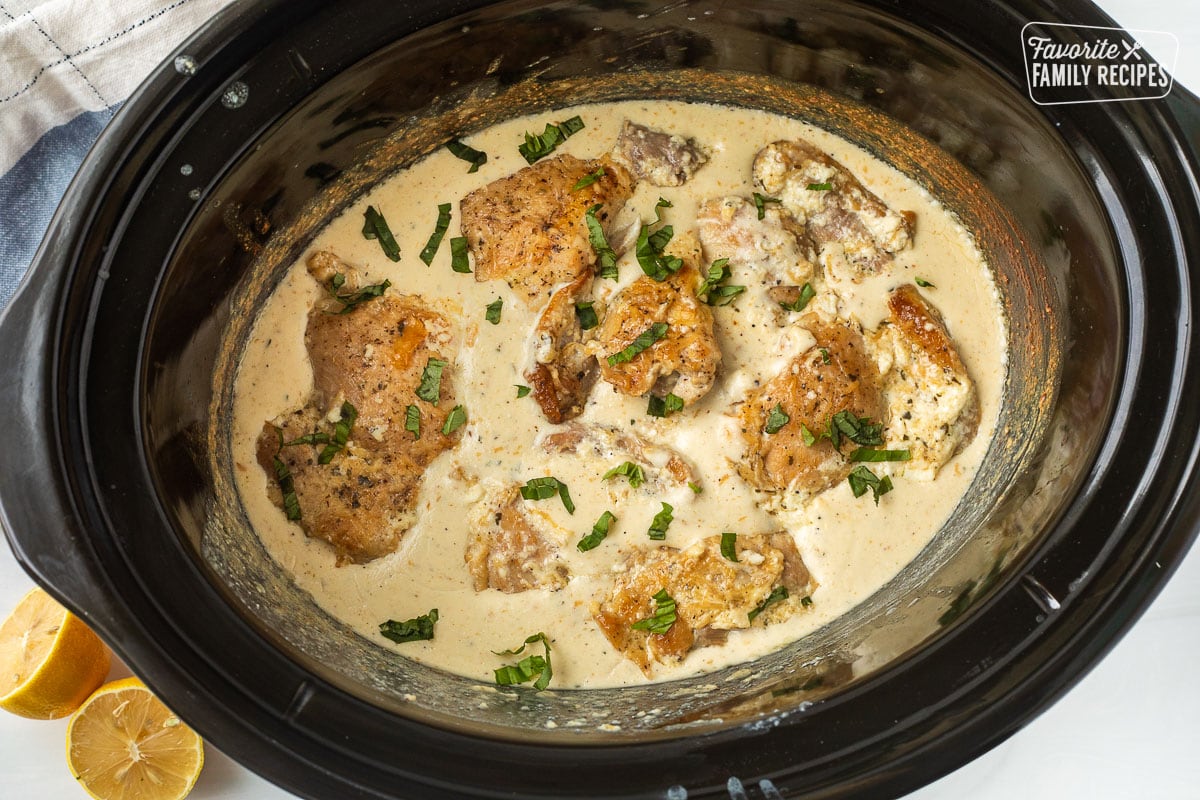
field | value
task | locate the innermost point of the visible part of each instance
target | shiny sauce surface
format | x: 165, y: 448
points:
x: 852, y: 546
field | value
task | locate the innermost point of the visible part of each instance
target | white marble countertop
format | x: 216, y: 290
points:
x: 1131, y: 728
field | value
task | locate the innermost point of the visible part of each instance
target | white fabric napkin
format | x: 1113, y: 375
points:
x: 59, y: 58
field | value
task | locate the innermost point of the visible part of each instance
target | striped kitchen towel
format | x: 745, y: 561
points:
x: 65, y: 68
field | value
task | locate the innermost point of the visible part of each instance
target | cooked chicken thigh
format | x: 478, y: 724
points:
x: 510, y: 548
x: 836, y: 210
x: 835, y: 375
x: 564, y: 369
x: 683, y: 355
x: 772, y: 251
x: 529, y: 228
x: 373, y: 358
x: 934, y: 408
x: 710, y: 593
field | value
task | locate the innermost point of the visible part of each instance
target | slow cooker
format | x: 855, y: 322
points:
x: 121, y: 344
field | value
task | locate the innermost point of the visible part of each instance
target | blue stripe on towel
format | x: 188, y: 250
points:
x: 31, y: 190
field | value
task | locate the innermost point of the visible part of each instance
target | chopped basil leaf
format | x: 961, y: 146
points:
x: 376, y: 227
x: 287, y: 485
x: 522, y: 391
x: 588, y: 180
x: 824, y: 355
x: 527, y: 668
x: 807, y: 293
x: 861, y: 479
x: 435, y: 238
x: 664, y: 615
x: 695, y: 487
x: 545, y: 488
x: 571, y: 126
x: 664, y: 406
x: 416, y: 629
x: 806, y: 601
x: 646, y: 338
x: 777, y: 594
x: 599, y: 532
x: 351, y: 300
x: 820, y: 187
x: 807, y: 435
x: 565, y: 495
x: 454, y: 420
x: 469, y: 154
x: 586, y: 315
x: 729, y: 545
x: 712, y: 292
x: 493, y: 311
x: 459, y: 250
x: 430, y: 389
x: 604, y: 253
x: 857, y: 429
x: 341, y: 434
x: 760, y: 203
x: 291, y: 503
x: 412, y: 421
x: 630, y: 470
x: 924, y: 284
x: 777, y: 419
x: 538, y: 147
x: 869, y: 455
x: 649, y: 251
x: 314, y: 438
x: 662, y: 520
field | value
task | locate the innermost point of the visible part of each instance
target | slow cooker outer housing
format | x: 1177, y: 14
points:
x: 79, y: 501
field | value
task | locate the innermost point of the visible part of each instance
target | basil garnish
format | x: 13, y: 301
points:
x: 777, y: 419
x: 459, y: 250
x: 527, y: 668
x: 662, y: 520
x: 664, y: 615
x: 416, y: 629
x: 807, y: 293
x: 435, y: 238
x: 646, y: 338
x: 545, y: 488
x: 630, y: 470
x: 599, y: 532
x: 430, y: 389
x: 861, y: 479
x: 469, y: 154
x: 606, y: 256
x: 777, y: 594
x: 376, y: 227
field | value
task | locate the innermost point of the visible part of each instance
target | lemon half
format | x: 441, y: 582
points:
x: 50, y: 661
x: 124, y: 744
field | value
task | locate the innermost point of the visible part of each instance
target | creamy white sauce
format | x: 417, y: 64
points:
x: 851, y: 545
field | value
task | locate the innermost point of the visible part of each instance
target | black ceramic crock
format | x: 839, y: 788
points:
x: 110, y: 347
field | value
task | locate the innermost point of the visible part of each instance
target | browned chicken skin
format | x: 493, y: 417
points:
x: 373, y: 358
x: 564, y: 370
x: 809, y: 391
x: 935, y: 407
x: 529, y: 228
x: 684, y: 361
x: 711, y: 593
x: 832, y: 205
